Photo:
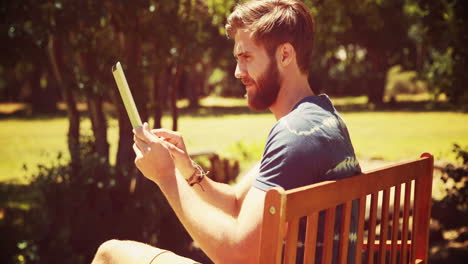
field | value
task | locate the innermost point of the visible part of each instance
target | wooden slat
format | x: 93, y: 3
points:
x: 384, y: 224
x: 310, y: 238
x: 422, y: 211
x: 272, y: 227
x: 328, y: 235
x: 344, y: 233
x: 371, y: 230
x: 349, y: 189
x: 404, y: 232
x: 290, y: 248
x: 415, y: 220
x: 395, y: 224
x: 360, y: 229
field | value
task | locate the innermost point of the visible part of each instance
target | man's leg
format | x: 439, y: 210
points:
x: 117, y: 251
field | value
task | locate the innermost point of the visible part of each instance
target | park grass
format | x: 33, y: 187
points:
x: 32, y: 142
x: 389, y: 136
x: 404, y: 135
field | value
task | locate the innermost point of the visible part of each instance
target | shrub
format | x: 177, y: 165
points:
x: 65, y: 219
x: 451, y: 214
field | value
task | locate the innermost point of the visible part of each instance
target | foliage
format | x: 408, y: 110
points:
x: 455, y: 203
x: 451, y: 213
x: 356, y: 43
x: 67, y: 218
x: 67, y: 48
x: 444, y: 27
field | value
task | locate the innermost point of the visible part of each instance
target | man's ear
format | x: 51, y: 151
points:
x: 285, y: 54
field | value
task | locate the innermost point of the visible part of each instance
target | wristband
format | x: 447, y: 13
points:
x: 197, y: 175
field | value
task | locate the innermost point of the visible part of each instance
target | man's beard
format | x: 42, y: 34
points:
x: 266, y: 90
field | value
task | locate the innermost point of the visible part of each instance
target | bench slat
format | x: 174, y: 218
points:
x: 273, y: 227
x: 311, y: 238
x: 328, y: 235
x: 404, y: 232
x: 384, y: 224
x: 344, y: 233
x: 291, y: 242
x: 372, y: 223
x: 395, y: 223
x: 422, y: 209
x: 360, y: 228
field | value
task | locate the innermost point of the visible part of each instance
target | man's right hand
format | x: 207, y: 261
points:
x: 153, y: 155
x: 178, y: 151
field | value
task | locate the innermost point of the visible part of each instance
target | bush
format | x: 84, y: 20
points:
x: 451, y: 214
x: 60, y: 219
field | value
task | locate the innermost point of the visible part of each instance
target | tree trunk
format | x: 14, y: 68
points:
x: 376, y: 88
x: 156, y: 104
x: 175, y: 84
x: 55, y: 53
x: 194, y: 87
x: 100, y: 127
x: 43, y: 100
x: 95, y: 109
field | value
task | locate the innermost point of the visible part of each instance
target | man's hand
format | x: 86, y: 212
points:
x: 178, y: 151
x: 153, y: 157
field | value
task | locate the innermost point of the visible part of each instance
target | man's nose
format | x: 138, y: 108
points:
x: 240, y: 71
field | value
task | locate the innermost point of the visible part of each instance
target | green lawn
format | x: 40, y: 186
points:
x: 403, y: 135
x: 376, y: 135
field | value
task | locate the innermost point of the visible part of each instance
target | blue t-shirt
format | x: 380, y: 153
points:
x: 310, y: 144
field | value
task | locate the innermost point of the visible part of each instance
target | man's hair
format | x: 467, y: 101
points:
x: 275, y: 22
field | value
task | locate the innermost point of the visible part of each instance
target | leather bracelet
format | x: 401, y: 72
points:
x: 197, y: 175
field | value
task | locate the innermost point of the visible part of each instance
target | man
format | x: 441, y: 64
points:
x: 308, y: 144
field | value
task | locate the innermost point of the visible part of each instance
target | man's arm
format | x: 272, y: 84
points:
x: 226, y: 197
x: 224, y: 222
x: 223, y: 196
x: 224, y: 238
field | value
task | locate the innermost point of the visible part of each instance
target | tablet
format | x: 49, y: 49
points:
x: 126, y: 95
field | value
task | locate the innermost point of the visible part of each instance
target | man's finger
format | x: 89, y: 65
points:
x: 142, y: 145
x: 173, y: 149
x: 137, y: 151
x: 165, y: 133
x: 140, y: 134
x: 170, y: 136
x: 145, y: 134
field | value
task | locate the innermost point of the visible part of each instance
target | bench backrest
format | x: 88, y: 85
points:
x: 405, y: 200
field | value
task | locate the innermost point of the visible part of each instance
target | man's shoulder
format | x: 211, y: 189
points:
x: 309, y: 118
x: 310, y: 110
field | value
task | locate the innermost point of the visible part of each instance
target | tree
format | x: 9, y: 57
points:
x: 444, y: 36
x: 23, y: 63
x: 357, y: 42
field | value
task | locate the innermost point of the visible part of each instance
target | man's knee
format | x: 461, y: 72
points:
x: 105, y: 251
x: 124, y: 251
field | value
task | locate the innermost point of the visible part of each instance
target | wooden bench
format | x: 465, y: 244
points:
x: 404, y: 217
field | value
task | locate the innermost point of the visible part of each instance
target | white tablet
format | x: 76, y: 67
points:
x: 126, y: 95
